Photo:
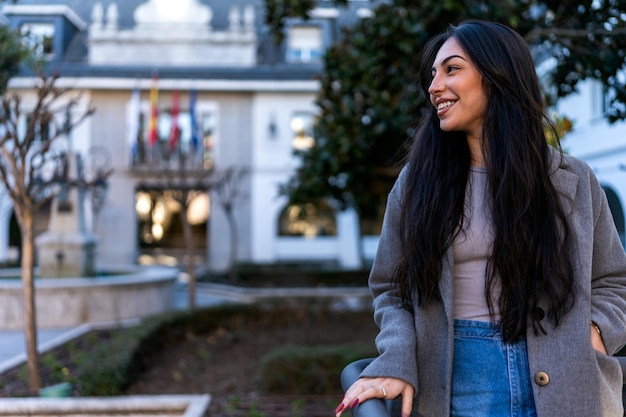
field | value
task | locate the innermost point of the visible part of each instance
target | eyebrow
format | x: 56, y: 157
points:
x: 448, y: 59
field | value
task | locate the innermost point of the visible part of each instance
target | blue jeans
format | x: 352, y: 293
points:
x: 490, y: 378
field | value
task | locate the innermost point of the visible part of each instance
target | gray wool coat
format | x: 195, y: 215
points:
x: 416, y: 346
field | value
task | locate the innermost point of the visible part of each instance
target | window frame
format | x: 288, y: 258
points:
x: 325, y: 39
x: 37, y: 41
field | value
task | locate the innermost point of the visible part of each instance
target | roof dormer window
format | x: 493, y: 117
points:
x: 39, y: 38
x: 304, y: 44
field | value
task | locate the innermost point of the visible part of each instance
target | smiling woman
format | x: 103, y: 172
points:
x: 494, y: 246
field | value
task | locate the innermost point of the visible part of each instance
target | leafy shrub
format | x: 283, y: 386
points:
x: 110, y: 365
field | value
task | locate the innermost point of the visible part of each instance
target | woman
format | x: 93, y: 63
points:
x: 500, y: 281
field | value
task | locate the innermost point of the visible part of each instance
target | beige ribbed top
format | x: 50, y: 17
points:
x: 472, y: 248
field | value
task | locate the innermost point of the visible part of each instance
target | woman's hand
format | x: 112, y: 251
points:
x: 596, y: 339
x: 384, y: 388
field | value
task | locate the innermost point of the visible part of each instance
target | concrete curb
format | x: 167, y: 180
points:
x: 141, y: 405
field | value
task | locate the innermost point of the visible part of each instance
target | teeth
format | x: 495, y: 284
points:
x: 444, y: 104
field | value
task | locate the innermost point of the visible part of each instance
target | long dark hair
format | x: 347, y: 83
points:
x: 531, y: 257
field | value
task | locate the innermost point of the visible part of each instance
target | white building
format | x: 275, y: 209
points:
x: 254, y: 101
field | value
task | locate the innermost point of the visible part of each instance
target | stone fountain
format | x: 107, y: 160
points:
x: 71, y: 289
x: 67, y: 248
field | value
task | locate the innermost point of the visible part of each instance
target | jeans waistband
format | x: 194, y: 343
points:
x: 476, y: 328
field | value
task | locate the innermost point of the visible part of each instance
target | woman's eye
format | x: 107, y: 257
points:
x: 452, y: 68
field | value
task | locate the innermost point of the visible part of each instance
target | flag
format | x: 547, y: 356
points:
x: 133, y: 124
x: 175, y: 130
x: 195, y: 136
x: 153, y: 136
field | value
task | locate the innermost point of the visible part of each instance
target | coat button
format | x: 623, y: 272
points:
x: 542, y: 379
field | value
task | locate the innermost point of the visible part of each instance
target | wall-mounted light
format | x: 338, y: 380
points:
x: 272, y: 128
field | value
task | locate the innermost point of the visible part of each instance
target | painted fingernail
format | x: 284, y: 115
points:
x: 354, y: 403
x: 340, y: 407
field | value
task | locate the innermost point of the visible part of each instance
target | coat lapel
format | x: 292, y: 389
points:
x: 446, y: 285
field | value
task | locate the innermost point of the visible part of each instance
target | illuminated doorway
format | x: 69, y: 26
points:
x: 160, y: 232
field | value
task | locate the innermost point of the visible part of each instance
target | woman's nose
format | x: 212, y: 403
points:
x: 435, y: 86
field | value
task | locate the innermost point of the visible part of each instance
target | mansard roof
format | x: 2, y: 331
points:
x: 99, y: 37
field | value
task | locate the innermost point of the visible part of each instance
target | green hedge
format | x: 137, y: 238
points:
x: 109, y: 367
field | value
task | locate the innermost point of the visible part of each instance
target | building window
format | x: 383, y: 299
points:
x: 302, y: 129
x: 609, y: 107
x: 309, y: 220
x: 39, y: 38
x: 207, y: 134
x: 304, y: 44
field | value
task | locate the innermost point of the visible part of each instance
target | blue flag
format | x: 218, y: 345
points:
x: 195, y: 134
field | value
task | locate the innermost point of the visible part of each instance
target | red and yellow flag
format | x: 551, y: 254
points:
x: 153, y: 135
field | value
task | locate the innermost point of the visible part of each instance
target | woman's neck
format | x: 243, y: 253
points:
x: 476, y: 152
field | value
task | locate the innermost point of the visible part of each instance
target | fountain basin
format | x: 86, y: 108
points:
x: 120, y: 295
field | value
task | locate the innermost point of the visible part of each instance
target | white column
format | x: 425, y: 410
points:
x: 348, y: 239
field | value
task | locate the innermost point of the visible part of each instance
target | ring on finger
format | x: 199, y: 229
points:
x: 382, y: 387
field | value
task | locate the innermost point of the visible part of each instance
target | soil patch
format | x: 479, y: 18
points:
x: 226, y: 364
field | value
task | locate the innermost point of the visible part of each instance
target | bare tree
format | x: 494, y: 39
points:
x: 183, y: 195
x: 229, y: 191
x: 29, y: 161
